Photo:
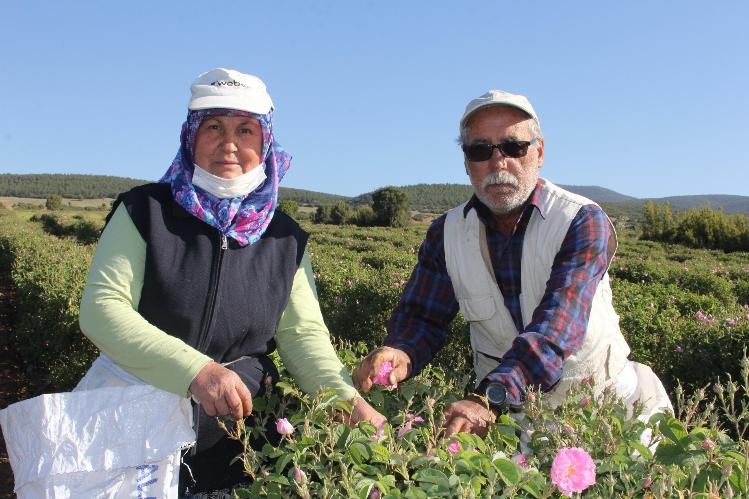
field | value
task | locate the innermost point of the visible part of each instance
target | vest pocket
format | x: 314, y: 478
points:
x: 477, y: 308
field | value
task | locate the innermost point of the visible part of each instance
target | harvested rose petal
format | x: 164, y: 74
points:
x: 383, y: 374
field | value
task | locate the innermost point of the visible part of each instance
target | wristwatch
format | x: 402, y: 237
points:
x: 495, y: 393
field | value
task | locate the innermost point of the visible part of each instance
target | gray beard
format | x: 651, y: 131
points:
x: 507, y: 204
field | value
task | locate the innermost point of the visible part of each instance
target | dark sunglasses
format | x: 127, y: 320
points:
x: 508, y: 148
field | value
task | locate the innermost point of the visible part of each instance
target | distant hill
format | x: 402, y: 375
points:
x: 65, y: 185
x: 729, y: 203
x: 308, y: 197
x: 599, y: 194
x: 434, y: 198
x: 437, y: 198
x: 76, y: 186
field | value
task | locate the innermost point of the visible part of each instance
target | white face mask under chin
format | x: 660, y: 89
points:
x: 227, y: 188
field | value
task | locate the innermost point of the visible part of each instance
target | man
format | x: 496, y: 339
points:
x: 526, y: 263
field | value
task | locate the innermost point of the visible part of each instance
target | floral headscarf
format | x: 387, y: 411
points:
x: 243, y: 218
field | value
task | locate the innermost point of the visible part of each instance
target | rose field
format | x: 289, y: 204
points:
x: 684, y: 312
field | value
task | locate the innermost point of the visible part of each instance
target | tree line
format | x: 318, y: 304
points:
x: 72, y: 186
x: 389, y: 208
x: 698, y: 228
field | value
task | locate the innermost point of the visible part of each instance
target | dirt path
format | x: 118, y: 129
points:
x: 13, y: 384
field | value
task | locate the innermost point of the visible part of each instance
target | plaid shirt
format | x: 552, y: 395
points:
x: 418, y: 325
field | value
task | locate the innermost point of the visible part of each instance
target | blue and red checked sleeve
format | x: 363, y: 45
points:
x: 418, y: 324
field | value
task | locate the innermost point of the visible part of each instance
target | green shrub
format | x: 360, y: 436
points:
x: 289, y: 206
x: 697, y: 228
x: 49, y: 274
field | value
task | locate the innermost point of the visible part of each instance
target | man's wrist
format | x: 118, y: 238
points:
x: 495, y: 395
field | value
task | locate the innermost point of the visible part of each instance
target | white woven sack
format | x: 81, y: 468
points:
x: 111, y: 442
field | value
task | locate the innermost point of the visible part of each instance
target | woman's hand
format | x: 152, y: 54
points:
x: 362, y: 411
x: 221, y: 392
x: 367, y: 371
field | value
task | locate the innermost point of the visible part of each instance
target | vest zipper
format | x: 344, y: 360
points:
x: 204, y: 339
x: 211, y: 303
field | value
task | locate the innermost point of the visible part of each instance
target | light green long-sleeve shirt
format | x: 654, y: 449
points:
x: 109, y: 318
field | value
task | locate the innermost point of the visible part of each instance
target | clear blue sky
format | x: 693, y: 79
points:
x: 649, y: 99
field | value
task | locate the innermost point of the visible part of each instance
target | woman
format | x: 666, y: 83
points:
x: 197, y: 278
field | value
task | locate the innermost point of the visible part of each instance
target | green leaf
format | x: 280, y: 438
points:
x: 737, y: 479
x: 380, y: 454
x: 363, y: 487
x: 534, y: 484
x: 341, y: 433
x: 711, y: 473
x: 668, y: 453
x: 642, y: 449
x: 280, y: 479
x: 508, y: 471
x: 477, y: 483
x: 282, y: 462
x: 463, y: 466
x: 286, y: 388
x: 359, y: 452
x: 673, y: 429
x: 414, y: 493
x: 431, y: 475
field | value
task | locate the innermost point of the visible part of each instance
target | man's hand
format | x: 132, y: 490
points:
x: 366, y: 372
x: 362, y: 411
x: 221, y: 392
x: 470, y: 416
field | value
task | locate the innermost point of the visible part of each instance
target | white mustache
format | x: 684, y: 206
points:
x: 501, y: 177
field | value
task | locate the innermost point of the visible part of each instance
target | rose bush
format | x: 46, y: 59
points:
x: 587, y: 446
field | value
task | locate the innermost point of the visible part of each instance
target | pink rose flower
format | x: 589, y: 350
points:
x: 573, y: 470
x: 374, y: 493
x: 403, y: 430
x: 383, y: 374
x: 414, y: 419
x: 300, y: 476
x: 284, y: 427
x: 454, y: 447
x: 520, y: 460
x: 380, y: 433
x: 708, y: 444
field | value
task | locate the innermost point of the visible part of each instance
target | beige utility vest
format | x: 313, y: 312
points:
x: 604, y: 351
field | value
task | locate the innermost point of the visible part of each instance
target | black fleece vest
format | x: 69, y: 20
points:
x: 223, y: 299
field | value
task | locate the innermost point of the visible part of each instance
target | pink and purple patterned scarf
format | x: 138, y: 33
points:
x: 243, y: 218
